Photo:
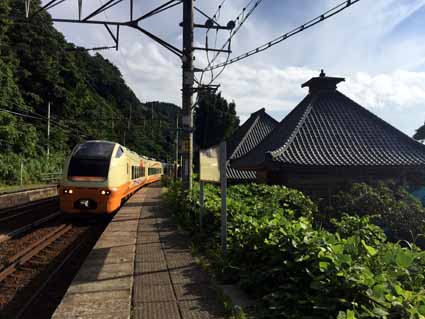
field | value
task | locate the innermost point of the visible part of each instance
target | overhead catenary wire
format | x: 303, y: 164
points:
x: 328, y: 14
x: 241, y: 19
x: 215, y: 18
x: 40, y: 117
x: 216, y: 15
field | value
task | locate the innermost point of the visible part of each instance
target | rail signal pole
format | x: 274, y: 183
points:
x: 48, y: 133
x: 187, y: 93
x: 176, y: 166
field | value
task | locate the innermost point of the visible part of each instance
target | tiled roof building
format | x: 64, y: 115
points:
x: 246, y: 137
x: 329, y: 139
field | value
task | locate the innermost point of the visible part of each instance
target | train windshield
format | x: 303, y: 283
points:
x: 90, y: 161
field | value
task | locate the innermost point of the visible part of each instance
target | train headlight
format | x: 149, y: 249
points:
x: 68, y: 191
x: 105, y: 192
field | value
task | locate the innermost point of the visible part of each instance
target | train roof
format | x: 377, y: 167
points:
x: 99, y: 141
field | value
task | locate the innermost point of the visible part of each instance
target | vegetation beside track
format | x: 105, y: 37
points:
x: 296, y: 268
x: 38, y: 66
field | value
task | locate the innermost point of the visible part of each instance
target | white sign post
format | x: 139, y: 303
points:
x: 213, y: 169
x: 201, y: 203
x: 223, y: 180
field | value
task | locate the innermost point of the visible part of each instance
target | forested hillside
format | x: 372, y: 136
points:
x: 89, y: 99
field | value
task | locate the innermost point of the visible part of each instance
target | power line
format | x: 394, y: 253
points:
x: 21, y: 114
x: 337, y: 9
x: 241, y: 19
x: 217, y: 12
x: 63, y: 127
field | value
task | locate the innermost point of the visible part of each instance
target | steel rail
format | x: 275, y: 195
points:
x: 27, y: 208
x: 25, y: 228
x: 32, y: 250
x: 52, y: 274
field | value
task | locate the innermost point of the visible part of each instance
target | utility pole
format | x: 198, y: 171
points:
x: 152, y: 119
x: 187, y: 93
x: 48, y: 131
x: 129, y: 119
x: 177, y: 148
x: 186, y: 54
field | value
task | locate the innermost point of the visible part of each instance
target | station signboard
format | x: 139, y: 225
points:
x: 209, y: 163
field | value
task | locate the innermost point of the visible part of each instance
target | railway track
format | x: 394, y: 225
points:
x: 21, y: 230
x: 40, y: 252
x: 14, y: 212
x: 48, y: 280
x: 19, y: 220
x: 32, y: 250
x: 39, y: 266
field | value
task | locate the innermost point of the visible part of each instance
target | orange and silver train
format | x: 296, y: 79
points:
x: 100, y: 175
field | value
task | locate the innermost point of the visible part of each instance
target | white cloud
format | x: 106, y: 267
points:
x: 401, y: 89
x: 380, y: 65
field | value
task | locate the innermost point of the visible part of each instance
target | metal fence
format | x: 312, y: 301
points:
x: 51, y: 178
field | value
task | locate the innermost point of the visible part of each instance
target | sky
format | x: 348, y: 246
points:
x: 376, y: 45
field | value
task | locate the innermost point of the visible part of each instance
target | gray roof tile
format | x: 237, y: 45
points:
x: 246, y: 137
x: 329, y: 129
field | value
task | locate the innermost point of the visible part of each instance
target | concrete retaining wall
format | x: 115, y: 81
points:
x: 24, y: 197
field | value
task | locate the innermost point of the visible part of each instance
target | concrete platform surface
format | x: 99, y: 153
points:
x: 141, y: 267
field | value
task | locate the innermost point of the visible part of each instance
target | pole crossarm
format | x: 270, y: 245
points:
x: 212, y: 21
x: 104, y: 7
x: 165, y: 44
x: 168, y: 5
x: 212, y: 50
x: 114, y: 37
x: 132, y: 23
x: 49, y: 5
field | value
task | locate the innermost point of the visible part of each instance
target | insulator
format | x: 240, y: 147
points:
x: 231, y: 24
x: 209, y: 23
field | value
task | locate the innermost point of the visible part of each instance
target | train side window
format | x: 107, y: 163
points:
x: 120, y: 151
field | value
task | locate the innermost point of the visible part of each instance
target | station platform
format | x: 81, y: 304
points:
x: 141, y: 267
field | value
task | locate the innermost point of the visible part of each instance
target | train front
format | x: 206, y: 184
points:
x: 85, y: 187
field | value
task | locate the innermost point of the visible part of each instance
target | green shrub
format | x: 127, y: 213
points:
x: 33, y: 168
x: 298, y: 270
x: 400, y: 214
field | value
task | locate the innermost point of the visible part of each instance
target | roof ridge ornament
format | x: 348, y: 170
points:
x: 322, y: 82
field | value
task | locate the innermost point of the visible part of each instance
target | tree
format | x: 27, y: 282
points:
x: 215, y: 120
x: 88, y: 95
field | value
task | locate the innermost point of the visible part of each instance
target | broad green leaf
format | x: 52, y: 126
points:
x: 323, y: 265
x: 350, y: 314
x: 380, y: 290
x: 380, y: 312
x: 399, y: 291
x: 404, y: 258
x: 370, y: 250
